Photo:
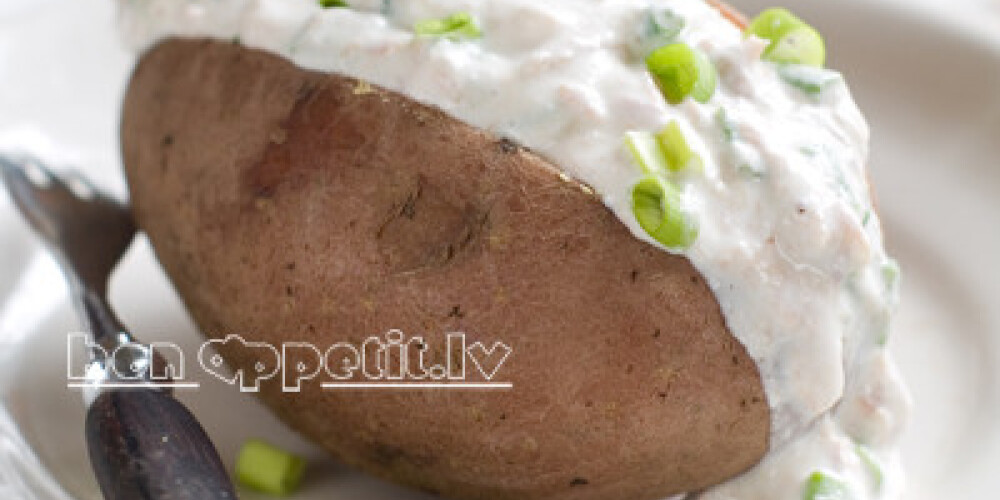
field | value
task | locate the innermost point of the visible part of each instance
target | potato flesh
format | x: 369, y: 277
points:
x: 285, y: 205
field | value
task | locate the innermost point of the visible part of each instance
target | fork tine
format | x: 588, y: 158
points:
x: 26, y: 195
x: 23, y: 167
x: 15, y: 179
x: 77, y: 176
x: 8, y: 170
x: 83, y: 187
x: 35, y: 167
x: 90, y: 233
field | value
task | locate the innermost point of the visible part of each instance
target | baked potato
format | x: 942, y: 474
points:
x: 285, y: 204
x: 317, y: 208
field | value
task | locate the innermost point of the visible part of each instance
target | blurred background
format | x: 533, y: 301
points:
x: 925, y: 72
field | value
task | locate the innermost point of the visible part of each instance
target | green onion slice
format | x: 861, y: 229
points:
x: 664, y: 152
x: 457, y: 26
x: 809, y: 79
x: 800, y: 46
x: 326, y: 4
x: 872, y: 464
x: 791, y: 39
x: 822, y: 486
x: 657, y: 207
x: 726, y: 125
x: 681, y: 71
x: 646, y: 152
x: 268, y: 469
x: 675, y: 148
x: 890, y: 274
x: 664, y: 24
x: 774, y: 23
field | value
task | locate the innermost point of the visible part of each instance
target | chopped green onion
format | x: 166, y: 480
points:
x: 800, y: 46
x: 809, y: 79
x: 747, y: 160
x: 268, y: 469
x: 821, y: 486
x: 890, y: 273
x: 675, y: 148
x: 791, y: 39
x: 681, y: 71
x: 646, y: 152
x: 660, y: 27
x: 774, y: 23
x: 326, y: 4
x: 657, y: 207
x: 872, y: 464
x: 454, y: 27
x: 728, y: 127
x: 663, y: 152
x: 664, y: 24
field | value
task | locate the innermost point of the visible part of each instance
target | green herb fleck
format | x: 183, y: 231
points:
x: 327, y: 4
x: 659, y: 28
x: 822, y: 486
x: 728, y: 127
x: 872, y: 464
x: 457, y: 26
x: 664, y: 24
x: 747, y: 161
x: 890, y: 273
x: 809, y: 79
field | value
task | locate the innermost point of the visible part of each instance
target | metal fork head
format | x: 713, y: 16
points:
x: 87, y: 230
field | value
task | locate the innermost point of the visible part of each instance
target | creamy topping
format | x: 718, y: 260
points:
x: 788, y: 239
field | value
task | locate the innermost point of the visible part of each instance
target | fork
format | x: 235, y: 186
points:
x: 143, y: 443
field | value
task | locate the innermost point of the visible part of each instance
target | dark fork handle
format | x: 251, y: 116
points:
x: 145, y: 445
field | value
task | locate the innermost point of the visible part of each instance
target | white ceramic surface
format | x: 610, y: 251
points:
x: 930, y: 87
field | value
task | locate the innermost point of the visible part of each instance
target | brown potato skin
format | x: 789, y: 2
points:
x: 292, y: 205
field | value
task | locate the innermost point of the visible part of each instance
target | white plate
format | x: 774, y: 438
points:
x: 930, y: 90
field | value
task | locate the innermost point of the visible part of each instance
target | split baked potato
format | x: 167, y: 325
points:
x: 286, y: 204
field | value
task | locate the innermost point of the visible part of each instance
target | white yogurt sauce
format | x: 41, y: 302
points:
x: 788, y: 239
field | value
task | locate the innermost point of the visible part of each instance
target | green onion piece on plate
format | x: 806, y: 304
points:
x: 822, y: 486
x: 791, y: 39
x: 268, y: 469
x: 675, y: 148
x: 326, y: 4
x: 681, y: 71
x: 657, y: 207
x: 456, y: 26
